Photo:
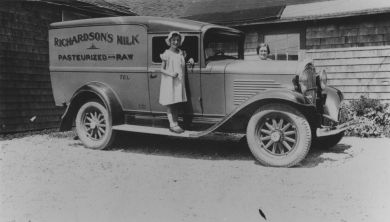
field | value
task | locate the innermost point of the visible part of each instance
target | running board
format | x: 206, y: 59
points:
x: 157, y: 131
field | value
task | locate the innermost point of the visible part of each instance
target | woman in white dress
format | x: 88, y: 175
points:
x: 172, y: 88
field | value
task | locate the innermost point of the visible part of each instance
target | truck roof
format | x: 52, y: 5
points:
x: 153, y: 24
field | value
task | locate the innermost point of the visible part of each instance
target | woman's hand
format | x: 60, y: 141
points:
x: 175, y: 75
x: 180, y: 76
x: 191, y: 62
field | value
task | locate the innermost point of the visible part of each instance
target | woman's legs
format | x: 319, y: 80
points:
x: 171, y: 120
x: 175, y: 114
x: 172, y: 114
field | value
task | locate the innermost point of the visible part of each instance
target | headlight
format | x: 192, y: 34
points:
x: 322, y: 79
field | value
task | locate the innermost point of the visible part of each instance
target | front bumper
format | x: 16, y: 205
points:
x: 333, y: 130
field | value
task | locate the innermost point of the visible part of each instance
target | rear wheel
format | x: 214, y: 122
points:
x: 279, y: 135
x: 94, y: 126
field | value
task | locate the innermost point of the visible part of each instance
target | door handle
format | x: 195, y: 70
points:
x: 153, y: 75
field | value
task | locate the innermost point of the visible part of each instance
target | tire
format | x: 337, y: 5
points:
x: 327, y: 142
x: 94, y: 126
x: 278, y: 135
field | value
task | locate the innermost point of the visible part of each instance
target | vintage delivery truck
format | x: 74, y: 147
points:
x: 106, y: 72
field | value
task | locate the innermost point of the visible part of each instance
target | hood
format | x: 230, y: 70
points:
x: 255, y: 67
x: 262, y: 67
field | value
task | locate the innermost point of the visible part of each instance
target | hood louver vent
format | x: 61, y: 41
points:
x: 244, y: 89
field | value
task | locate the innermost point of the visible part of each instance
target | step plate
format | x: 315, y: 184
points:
x: 155, y: 130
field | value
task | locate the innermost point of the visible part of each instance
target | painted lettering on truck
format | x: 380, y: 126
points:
x: 98, y: 46
x: 95, y: 36
x: 92, y: 36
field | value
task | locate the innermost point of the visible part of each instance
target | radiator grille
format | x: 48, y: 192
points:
x: 244, y: 89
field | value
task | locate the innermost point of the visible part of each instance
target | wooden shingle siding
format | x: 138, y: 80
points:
x: 356, y: 71
x: 25, y: 88
x: 353, y: 32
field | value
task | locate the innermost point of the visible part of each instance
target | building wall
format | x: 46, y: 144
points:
x: 356, y: 71
x: 26, y: 100
x: 357, y: 31
x: 257, y: 34
x: 25, y: 89
x: 355, y: 53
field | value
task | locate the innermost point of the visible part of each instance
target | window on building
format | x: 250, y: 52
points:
x: 190, y: 46
x: 283, y: 46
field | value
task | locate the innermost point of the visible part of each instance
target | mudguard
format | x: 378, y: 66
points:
x: 92, y: 90
x: 334, y: 98
x: 237, y: 120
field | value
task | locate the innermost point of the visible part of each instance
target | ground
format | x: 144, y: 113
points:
x: 52, y: 177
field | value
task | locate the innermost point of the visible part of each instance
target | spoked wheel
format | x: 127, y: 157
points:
x: 279, y: 135
x: 93, y: 126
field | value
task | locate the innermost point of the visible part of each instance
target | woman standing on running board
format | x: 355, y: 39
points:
x: 172, y: 88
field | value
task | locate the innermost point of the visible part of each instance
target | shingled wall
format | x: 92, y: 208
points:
x: 26, y: 101
x: 355, y: 52
x: 349, y: 32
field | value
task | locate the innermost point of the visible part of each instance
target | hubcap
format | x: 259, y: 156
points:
x: 277, y: 135
x: 94, y: 124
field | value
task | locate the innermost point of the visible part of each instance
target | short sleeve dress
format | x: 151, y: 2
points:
x: 172, y: 90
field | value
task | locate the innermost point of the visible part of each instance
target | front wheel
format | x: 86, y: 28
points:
x: 94, y: 126
x: 278, y: 135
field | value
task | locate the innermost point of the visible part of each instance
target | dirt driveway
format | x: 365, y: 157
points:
x: 50, y: 178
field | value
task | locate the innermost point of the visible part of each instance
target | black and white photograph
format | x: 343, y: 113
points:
x: 194, y: 110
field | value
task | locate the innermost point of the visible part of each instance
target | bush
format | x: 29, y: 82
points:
x: 372, y: 115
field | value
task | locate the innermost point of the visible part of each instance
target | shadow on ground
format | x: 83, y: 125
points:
x: 212, y: 147
x: 217, y: 148
x: 329, y: 156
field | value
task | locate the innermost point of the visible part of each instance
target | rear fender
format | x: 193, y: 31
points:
x: 88, y: 92
x: 237, y: 121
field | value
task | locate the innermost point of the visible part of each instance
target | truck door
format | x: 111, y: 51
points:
x: 132, y: 88
x: 191, y: 47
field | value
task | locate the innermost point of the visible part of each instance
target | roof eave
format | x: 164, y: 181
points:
x: 317, y: 17
x: 97, y: 8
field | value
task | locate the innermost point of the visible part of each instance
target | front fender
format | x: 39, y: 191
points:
x: 237, y: 120
x: 334, y: 97
x: 90, y: 91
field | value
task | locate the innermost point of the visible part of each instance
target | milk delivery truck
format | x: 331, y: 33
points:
x: 106, y: 72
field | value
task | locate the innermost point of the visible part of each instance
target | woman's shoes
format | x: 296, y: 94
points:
x: 176, y: 129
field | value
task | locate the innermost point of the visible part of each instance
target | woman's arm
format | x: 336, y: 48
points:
x: 165, y: 72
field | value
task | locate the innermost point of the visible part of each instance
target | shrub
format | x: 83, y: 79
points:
x: 372, y: 115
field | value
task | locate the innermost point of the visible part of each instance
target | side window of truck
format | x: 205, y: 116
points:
x: 190, y: 45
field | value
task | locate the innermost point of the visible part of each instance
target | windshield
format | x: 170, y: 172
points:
x: 219, y: 46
